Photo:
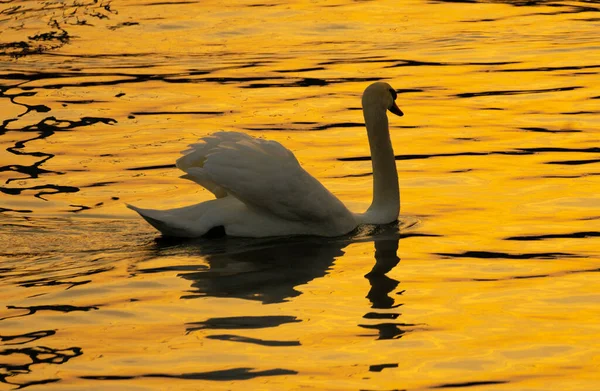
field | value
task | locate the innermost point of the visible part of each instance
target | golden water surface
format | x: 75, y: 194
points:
x: 489, y: 281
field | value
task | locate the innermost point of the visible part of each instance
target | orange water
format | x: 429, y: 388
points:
x: 488, y: 282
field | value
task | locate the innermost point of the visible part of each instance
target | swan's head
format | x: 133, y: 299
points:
x: 382, y: 96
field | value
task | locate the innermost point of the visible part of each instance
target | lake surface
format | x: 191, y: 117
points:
x: 489, y: 280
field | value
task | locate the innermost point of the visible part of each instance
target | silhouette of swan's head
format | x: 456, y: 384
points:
x: 381, y: 95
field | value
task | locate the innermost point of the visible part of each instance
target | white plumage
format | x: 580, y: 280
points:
x: 261, y: 189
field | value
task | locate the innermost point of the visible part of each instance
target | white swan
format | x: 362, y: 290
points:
x: 261, y: 190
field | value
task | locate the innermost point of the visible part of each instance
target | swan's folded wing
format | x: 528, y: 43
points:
x: 266, y: 176
x: 195, y: 156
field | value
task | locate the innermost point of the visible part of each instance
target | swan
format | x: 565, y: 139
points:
x: 261, y: 190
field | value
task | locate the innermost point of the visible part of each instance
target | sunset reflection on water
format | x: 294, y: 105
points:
x: 487, y: 281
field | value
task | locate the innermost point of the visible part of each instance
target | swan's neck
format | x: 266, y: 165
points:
x: 386, y: 194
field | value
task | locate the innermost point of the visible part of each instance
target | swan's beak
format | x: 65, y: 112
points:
x: 396, y: 110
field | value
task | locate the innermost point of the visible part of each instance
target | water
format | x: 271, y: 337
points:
x: 489, y: 281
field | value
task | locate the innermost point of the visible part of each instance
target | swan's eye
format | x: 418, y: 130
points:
x: 394, y: 94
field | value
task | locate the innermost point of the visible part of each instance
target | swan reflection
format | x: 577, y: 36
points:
x: 270, y: 269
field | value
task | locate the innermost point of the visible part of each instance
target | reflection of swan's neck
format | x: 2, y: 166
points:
x: 386, y: 194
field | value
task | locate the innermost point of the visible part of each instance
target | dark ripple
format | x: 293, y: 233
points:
x: 241, y: 322
x: 57, y: 281
x: 301, y: 70
x: 79, y: 208
x: 564, y: 8
x: 173, y: 268
x: 315, y: 128
x: 580, y: 112
x: 312, y: 82
x: 178, y: 113
x: 366, y: 59
x: 412, y: 63
x: 515, y: 92
x: 560, y: 149
x: 3, y: 210
x: 119, y: 78
x: 255, y: 341
x: 59, y: 16
x: 28, y: 108
x: 223, y: 375
x: 501, y: 255
x: 424, y: 156
x: 381, y: 367
x: 45, y: 129
x: 571, y: 176
x: 528, y: 276
x: 63, y: 280
x: 191, y: 76
x: 53, y: 189
x: 377, y: 315
x: 574, y: 235
x: 472, y: 384
x: 177, y: 2
x: 21, y: 339
x: 515, y: 152
x: 461, y: 171
x: 262, y: 5
x: 99, y: 184
x: 549, y: 69
x: 339, y: 125
x: 37, y: 355
x: 65, y: 308
x: 227, y: 374
x: 122, y: 24
x: 544, y: 130
x: 408, y: 90
x: 81, y: 101
x: 365, y: 174
x: 157, y: 167
x: 389, y: 330
x: 575, y: 162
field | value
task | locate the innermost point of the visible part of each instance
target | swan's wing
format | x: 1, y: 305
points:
x: 195, y: 157
x: 263, y: 174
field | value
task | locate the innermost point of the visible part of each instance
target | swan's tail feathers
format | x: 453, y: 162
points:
x: 167, y: 223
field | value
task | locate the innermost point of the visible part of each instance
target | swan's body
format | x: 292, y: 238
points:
x: 261, y: 189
